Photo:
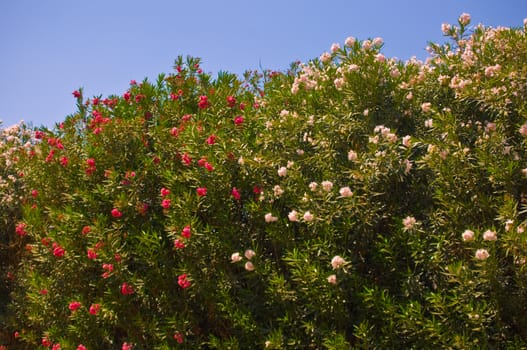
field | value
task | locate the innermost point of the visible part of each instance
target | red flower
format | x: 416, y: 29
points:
x: 116, y: 213
x: 20, y: 229
x: 257, y: 190
x: 94, y: 309
x: 133, y: 82
x: 183, y: 281
x: 203, y: 102
x: 186, y: 232
x: 186, y: 159
x: 202, y: 161
x: 34, y: 193
x: 211, y: 139
x: 126, y: 289
x: 165, y: 203
x: 179, y: 244
x: 92, y: 254
x: 46, y: 342
x: 235, y: 193
x: 76, y: 94
x: 127, y: 346
x: 16, y: 334
x: 58, y: 251
x: 126, y: 95
x: 178, y: 337
x: 242, y: 106
x: 86, y: 230
x: 238, y: 120
x: 117, y: 257
x: 56, y: 346
x: 208, y: 166
x: 202, y: 191
x: 90, y: 162
x: 50, y: 155
x: 43, y: 292
x: 74, y: 305
x: 64, y: 161
x: 186, y: 117
x: 165, y: 192
x: 81, y: 347
x: 231, y: 101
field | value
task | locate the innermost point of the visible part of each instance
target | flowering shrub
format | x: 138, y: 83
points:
x: 353, y: 201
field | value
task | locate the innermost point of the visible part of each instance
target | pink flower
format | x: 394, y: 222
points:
x: 92, y: 254
x: 186, y: 232
x: 249, y: 254
x: 308, y: 216
x: 464, y: 19
x: 292, y: 216
x: 235, y: 193
x: 235, y: 257
x: 74, y: 305
x: 282, y: 171
x: 165, y: 203
x: 409, y: 222
x: 56, y: 346
x: 345, y: 192
x: 325, y: 57
x: 116, y: 213
x: 127, y: 346
x: 201, y: 191
x: 523, y: 130
x: 183, y: 281
x: 426, y: 107
x: 126, y: 289
x: 482, y: 254
x: 335, y: 47
x: 352, y: 155
x: 350, y: 41
x: 94, y: 309
x: 468, y: 235
x: 81, y: 347
x: 489, y: 235
x: 337, y: 262
x: 445, y: 28
x: 270, y: 218
x: 332, y: 279
x: 327, y: 185
x: 238, y: 120
x: 249, y: 266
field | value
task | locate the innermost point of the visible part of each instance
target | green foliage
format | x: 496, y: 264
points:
x: 355, y: 201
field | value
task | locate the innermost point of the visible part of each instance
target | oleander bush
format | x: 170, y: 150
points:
x: 354, y: 201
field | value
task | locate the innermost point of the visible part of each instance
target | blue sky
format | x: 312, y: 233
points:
x: 48, y: 48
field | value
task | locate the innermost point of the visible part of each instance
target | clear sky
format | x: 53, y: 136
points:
x: 48, y: 48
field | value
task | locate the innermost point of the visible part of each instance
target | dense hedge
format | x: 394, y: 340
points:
x: 355, y: 201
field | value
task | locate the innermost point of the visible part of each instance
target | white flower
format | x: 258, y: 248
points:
x: 313, y: 186
x: 508, y: 225
x: 235, y: 257
x: 308, y: 216
x: 489, y: 236
x: 278, y: 191
x: 426, y: 107
x: 335, y: 47
x: 292, y: 215
x: 249, y: 254
x: 345, y: 192
x: 337, y: 262
x: 282, y: 171
x: 325, y: 57
x: 429, y: 123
